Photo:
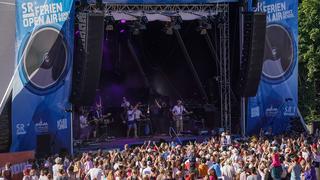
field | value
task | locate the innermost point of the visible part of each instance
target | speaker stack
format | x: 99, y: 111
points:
x: 87, y: 57
x: 252, y: 52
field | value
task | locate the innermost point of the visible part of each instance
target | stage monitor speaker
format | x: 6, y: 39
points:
x: 43, y: 147
x: 252, y: 53
x: 88, y: 57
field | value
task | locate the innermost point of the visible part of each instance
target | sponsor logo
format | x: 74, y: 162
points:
x: 271, y: 112
x: 255, y: 112
x: 20, y: 129
x: 41, y: 127
x: 62, y: 124
x: 290, y: 111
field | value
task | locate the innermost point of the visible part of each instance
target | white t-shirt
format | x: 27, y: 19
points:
x: 83, y: 121
x: 178, y: 110
x: 95, y: 173
x: 131, y: 115
x: 146, y: 171
x: 137, y: 114
x: 228, y: 138
x: 227, y: 172
x: 55, y: 170
x: 125, y: 104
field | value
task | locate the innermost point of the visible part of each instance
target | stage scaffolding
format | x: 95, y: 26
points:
x: 201, y: 10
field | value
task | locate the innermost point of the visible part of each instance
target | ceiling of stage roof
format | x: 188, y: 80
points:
x: 164, y: 1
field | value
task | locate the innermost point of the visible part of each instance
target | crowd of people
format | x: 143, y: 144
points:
x: 278, y: 157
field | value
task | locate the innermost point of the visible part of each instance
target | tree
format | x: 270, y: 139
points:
x: 309, y: 59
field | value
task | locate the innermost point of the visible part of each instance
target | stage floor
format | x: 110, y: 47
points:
x: 118, y: 143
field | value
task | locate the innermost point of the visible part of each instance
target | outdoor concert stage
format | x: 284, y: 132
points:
x: 82, y: 58
x: 167, y: 52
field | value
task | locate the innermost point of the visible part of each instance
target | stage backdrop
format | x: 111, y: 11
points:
x: 277, y: 97
x: 44, y: 46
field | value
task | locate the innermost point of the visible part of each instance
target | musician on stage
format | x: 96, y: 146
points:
x: 138, y: 114
x: 178, y: 112
x: 125, y: 105
x: 131, y: 114
x: 84, y: 127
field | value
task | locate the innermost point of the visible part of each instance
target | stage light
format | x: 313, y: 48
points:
x: 109, y: 21
x: 138, y: 25
x: 176, y: 22
x: 123, y: 21
x: 203, y: 31
x: 168, y: 29
x: 204, y: 26
x: 135, y: 31
x: 141, y: 23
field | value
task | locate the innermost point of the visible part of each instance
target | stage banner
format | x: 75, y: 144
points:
x: 42, y: 82
x: 276, y: 101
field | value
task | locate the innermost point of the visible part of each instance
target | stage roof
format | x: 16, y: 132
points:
x: 165, y: 1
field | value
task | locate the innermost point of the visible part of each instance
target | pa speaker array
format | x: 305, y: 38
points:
x: 87, y: 57
x: 252, y: 53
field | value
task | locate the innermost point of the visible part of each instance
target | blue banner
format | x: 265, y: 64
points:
x: 277, y: 98
x: 42, y: 83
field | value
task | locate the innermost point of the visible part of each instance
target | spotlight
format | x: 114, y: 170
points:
x: 135, y: 31
x: 204, y: 25
x: 109, y: 21
x: 203, y: 31
x: 176, y: 22
x: 142, y: 22
x: 139, y: 24
x: 168, y: 29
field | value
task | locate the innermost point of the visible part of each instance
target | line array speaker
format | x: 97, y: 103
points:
x: 252, y: 53
x: 43, y: 145
x: 88, y: 57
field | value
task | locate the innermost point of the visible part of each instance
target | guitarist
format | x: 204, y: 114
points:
x: 131, y: 120
x: 178, y: 112
x: 84, y: 128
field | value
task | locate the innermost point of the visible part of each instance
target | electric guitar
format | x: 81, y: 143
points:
x: 176, y: 117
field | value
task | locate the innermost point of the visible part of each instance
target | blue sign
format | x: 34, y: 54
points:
x: 277, y: 98
x: 44, y: 46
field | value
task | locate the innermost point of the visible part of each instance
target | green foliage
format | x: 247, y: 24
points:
x: 309, y: 59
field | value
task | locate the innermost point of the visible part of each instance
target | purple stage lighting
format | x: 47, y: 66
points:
x: 122, y: 31
x: 123, y: 21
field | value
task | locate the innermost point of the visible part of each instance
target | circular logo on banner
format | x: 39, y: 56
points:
x: 45, y: 59
x: 278, y: 53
